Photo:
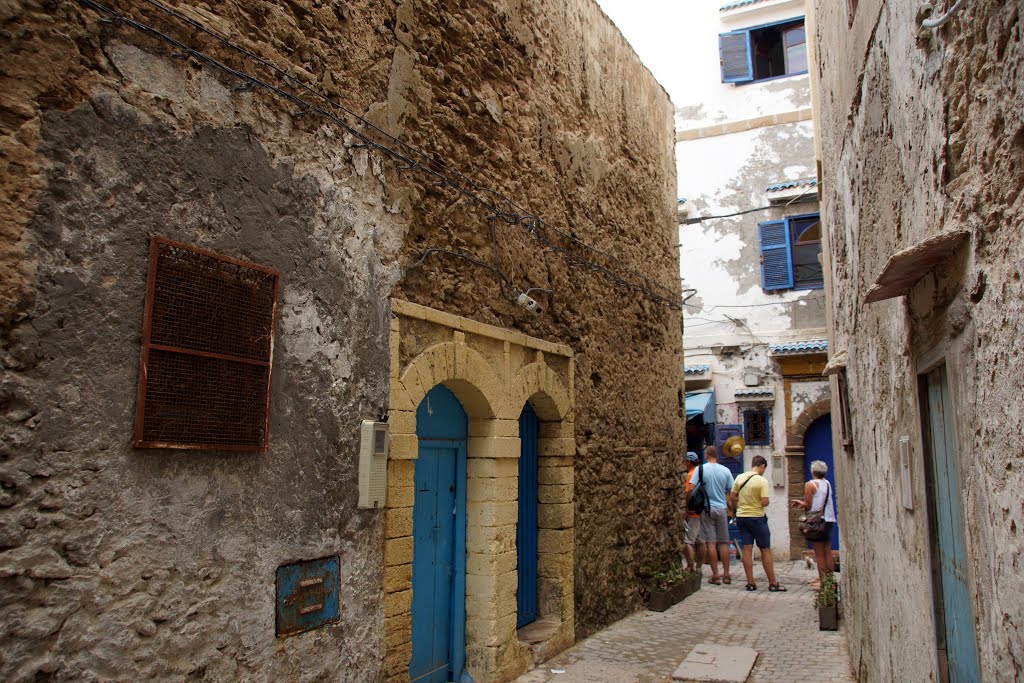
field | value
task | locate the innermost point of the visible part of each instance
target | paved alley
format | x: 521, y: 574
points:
x: 646, y: 647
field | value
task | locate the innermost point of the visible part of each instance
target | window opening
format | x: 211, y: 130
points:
x: 790, y: 253
x: 763, y: 52
x: 207, y: 343
x: 757, y: 427
x: 806, y: 236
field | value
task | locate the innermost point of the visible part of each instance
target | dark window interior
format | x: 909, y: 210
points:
x: 805, y: 234
x: 756, y: 427
x: 779, y: 50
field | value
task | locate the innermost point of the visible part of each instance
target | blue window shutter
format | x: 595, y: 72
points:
x: 776, y: 255
x: 736, y: 57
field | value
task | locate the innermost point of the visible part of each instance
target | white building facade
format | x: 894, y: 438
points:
x: 750, y: 245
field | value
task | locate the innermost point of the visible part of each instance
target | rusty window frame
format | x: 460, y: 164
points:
x: 232, y: 363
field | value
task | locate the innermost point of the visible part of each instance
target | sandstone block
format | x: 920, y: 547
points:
x: 555, y: 475
x: 401, y: 496
x: 397, y: 551
x: 490, y: 540
x: 494, y: 427
x: 497, y: 489
x: 554, y: 565
x: 555, y: 516
x: 396, y: 661
x: 397, y: 522
x: 399, y: 399
x: 401, y: 422
x: 491, y: 467
x: 398, y: 578
x: 477, y: 563
x: 493, y: 447
x: 501, y: 606
x: 560, y: 493
x: 565, y: 446
x: 554, y: 461
x: 402, y: 446
x: 558, y: 429
x: 489, y: 587
x: 397, y: 603
x: 490, y: 513
x: 401, y: 473
x: 491, y: 632
x: 555, y: 541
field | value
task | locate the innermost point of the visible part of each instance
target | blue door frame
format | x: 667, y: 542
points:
x: 439, y: 541
x: 526, y: 528
x: 818, y: 446
x: 954, y: 613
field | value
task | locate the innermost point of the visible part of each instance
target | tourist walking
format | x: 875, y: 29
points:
x: 749, y: 496
x: 714, y: 480
x: 694, y: 557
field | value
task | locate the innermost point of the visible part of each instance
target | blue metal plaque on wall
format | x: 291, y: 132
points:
x: 307, y: 595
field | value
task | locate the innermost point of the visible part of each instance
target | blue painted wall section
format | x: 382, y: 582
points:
x: 818, y: 446
x: 307, y: 595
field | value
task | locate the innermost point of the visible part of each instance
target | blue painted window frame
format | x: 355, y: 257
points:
x: 772, y: 246
x: 750, y: 78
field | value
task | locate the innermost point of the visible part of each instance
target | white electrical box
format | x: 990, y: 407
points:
x: 779, y: 471
x: 373, y: 463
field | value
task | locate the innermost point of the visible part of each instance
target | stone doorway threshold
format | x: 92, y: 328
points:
x: 537, y: 636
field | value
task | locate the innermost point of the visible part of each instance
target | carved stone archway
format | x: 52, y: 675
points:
x: 795, y: 435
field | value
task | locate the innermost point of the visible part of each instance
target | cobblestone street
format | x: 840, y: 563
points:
x: 646, y: 647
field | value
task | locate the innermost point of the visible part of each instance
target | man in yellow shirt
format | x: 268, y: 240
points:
x: 749, y: 496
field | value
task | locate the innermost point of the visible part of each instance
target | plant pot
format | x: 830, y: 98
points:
x: 693, y: 583
x: 659, y: 601
x: 678, y: 591
x: 828, y: 618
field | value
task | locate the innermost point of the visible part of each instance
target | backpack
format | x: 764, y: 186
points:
x: 813, y: 524
x: 699, y: 500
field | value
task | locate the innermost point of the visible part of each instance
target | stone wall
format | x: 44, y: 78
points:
x: 120, y: 563
x: 917, y: 139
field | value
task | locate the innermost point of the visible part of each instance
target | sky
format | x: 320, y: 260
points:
x: 650, y: 26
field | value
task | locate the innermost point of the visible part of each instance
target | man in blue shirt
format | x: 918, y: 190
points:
x: 714, y: 519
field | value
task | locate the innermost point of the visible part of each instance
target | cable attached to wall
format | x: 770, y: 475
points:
x: 409, y: 157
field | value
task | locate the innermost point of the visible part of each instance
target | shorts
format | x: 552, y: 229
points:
x: 826, y: 534
x: 692, y: 530
x: 755, y: 529
x: 714, y: 526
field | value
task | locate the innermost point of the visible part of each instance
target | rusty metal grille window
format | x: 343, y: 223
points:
x: 757, y: 427
x: 207, y: 346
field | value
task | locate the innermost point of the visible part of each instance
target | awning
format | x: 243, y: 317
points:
x: 905, y: 268
x: 700, y: 403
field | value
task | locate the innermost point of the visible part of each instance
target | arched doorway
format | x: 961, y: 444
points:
x: 818, y: 446
x: 439, y: 540
x: 526, y: 526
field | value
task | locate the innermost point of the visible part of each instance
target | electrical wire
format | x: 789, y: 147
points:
x: 701, y: 219
x: 498, y: 206
x: 936, y: 22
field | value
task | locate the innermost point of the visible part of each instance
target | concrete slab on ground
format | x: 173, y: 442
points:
x: 709, y: 663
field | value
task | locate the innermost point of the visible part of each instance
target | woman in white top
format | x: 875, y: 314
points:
x: 818, y: 496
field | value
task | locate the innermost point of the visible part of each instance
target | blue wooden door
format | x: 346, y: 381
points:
x: 526, y: 528
x: 439, y: 541
x: 955, y: 622
x: 818, y: 446
x: 735, y: 465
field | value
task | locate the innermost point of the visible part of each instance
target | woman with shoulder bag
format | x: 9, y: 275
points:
x: 821, y: 518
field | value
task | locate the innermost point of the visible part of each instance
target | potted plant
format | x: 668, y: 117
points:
x: 659, y: 596
x: 827, y: 602
x: 691, y: 580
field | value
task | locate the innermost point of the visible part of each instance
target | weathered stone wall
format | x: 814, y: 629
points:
x: 918, y: 140
x: 126, y: 564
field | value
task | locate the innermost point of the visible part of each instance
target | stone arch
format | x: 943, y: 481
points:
x: 795, y: 434
x: 460, y: 368
x: 539, y: 384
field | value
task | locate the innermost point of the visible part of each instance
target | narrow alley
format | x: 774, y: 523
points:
x: 647, y: 647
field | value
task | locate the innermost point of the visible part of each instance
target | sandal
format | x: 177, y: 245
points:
x: 752, y: 587
x: 727, y: 580
x: 714, y: 580
x: 776, y: 588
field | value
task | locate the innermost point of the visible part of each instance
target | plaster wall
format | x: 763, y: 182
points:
x: 703, y: 99
x: 918, y: 140
x: 125, y: 564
